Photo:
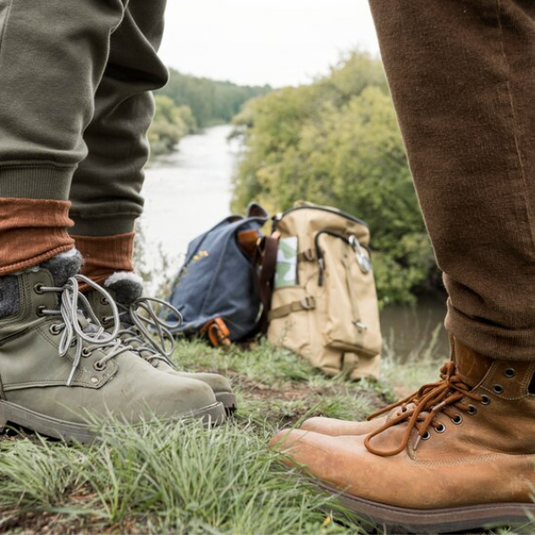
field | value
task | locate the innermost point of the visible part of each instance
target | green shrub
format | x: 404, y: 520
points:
x: 337, y: 142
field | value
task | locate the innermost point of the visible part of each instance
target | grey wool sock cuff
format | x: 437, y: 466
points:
x: 61, y: 266
x: 9, y: 296
x: 126, y: 286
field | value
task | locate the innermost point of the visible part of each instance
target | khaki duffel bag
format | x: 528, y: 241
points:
x: 324, y: 304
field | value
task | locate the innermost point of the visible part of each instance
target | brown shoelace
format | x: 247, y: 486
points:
x: 420, y: 409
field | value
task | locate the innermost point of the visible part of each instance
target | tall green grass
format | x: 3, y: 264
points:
x: 159, y: 478
x: 186, y: 478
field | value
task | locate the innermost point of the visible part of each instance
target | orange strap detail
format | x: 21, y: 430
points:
x: 217, y: 332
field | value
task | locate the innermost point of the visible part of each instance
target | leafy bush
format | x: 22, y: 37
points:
x: 171, y: 123
x: 337, y: 142
x: 211, y: 101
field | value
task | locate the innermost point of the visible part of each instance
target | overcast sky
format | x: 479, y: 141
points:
x: 277, y: 42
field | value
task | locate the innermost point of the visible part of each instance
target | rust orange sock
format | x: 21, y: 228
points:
x: 32, y: 231
x: 105, y: 255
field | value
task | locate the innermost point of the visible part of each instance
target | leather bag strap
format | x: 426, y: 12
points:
x: 264, y: 266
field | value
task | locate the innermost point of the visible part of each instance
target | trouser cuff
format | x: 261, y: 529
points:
x: 35, y: 181
x: 102, y: 226
x: 489, y: 339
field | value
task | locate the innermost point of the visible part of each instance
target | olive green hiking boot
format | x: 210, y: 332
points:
x: 147, y: 334
x: 60, y: 369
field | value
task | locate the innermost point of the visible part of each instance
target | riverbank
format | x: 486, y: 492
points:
x: 190, y: 191
x: 188, y: 480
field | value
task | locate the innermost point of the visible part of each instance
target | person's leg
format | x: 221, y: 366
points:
x: 106, y: 188
x: 459, y: 453
x: 462, y: 77
x: 56, y: 369
x: 50, y: 65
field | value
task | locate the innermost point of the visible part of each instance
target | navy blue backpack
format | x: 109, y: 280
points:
x: 215, y: 290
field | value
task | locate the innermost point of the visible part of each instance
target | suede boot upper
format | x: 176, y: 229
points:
x: 465, y: 440
x: 127, y: 289
x: 57, y: 367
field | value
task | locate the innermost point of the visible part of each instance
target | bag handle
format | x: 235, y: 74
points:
x: 264, y: 266
x: 255, y: 210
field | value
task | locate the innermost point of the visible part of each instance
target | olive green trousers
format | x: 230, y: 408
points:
x: 75, y: 104
x: 462, y: 76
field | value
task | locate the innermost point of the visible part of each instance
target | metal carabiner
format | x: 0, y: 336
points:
x: 363, y: 261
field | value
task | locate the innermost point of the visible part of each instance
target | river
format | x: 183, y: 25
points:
x: 189, y: 191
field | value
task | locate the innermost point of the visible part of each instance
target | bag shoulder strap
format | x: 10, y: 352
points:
x: 264, y: 266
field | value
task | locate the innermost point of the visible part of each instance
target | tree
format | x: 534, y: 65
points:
x: 170, y: 124
x: 337, y: 142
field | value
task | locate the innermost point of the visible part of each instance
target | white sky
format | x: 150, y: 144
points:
x: 279, y: 42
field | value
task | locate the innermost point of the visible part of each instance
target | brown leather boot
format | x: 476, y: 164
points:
x: 459, y: 456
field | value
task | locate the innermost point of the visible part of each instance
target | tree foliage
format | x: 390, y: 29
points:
x: 337, y: 142
x: 170, y: 124
x: 211, y: 102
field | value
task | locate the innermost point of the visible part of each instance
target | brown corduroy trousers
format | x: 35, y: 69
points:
x: 462, y: 76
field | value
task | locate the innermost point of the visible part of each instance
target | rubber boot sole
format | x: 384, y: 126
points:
x: 82, y: 433
x: 451, y: 520
x: 229, y: 401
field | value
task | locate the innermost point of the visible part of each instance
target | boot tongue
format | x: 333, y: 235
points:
x: 471, y: 365
x: 125, y: 286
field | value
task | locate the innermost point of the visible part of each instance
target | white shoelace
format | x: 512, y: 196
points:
x: 143, y: 325
x: 80, y: 327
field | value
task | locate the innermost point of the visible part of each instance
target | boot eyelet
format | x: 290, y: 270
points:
x: 99, y: 366
x: 104, y: 301
x: 55, y: 329
x: 471, y: 410
x: 40, y: 310
x: 426, y: 435
x: 440, y: 428
x: 104, y: 320
x: 498, y: 389
x: 38, y: 288
x: 485, y: 400
x: 457, y: 420
x: 509, y: 373
x: 85, y: 352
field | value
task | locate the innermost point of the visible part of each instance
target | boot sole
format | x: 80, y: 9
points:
x: 451, y: 520
x: 229, y: 401
x: 73, y: 432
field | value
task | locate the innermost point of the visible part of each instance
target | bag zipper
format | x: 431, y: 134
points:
x: 352, y: 241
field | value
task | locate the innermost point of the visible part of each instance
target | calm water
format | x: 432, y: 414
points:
x: 188, y: 192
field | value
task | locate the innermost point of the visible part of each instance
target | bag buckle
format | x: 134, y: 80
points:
x: 308, y: 303
x: 360, y: 326
x: 217, y: 333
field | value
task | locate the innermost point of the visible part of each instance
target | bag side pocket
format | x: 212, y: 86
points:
x: 352, y: 311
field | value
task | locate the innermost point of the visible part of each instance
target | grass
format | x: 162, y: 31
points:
x: 185, y: 479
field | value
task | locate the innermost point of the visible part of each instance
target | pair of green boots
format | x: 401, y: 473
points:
x: 68, y: 358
